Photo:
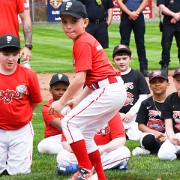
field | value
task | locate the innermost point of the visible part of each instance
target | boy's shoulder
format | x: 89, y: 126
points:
x: 133, y: 74
x: 148, y: 101
x: 23, y: 69
x: 172, y: 97
x: 48, y: 103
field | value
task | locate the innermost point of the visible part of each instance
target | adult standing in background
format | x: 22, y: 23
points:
x: 133, y: 19
x: 171, y: 27
x: 9, y: 23
x: 100, y: 17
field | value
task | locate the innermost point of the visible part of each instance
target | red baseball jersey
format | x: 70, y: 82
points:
x: 114, y: 129
x: 88, y: 55
x: 48, y: 118
x: 9, y: 10
x: 17, y: 93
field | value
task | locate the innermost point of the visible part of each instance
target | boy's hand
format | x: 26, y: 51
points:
x: 175, y: 140
x: 127, y: 117
x: 55, y: 108
x: 160, y: 136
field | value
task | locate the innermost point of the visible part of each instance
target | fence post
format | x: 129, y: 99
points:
x: 32, y: 4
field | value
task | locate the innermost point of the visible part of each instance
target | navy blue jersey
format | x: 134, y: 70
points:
x: 149, y: 114
x: 171, y: 109
x: 133, y: 5
x: 135, y: 85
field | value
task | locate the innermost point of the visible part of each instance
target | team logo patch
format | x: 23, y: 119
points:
x: 129, y: 99
x: 55, y: 3
x: 157, y: 125
x: 68, y: 5
x: 156, y: 73
x: 8, y: 39
x: 177, y: 126
x: 9, y: 95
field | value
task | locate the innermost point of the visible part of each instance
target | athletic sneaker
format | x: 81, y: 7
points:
x: 122, y: 166
x: 84, y: 174
x: 64, y: 170
x: 140, y: 151
x: 178, y: 154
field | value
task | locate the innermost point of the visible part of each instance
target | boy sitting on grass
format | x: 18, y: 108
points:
x: 170, y: 149
x: 51, y: 144
x: 149, y: 115
x: 110, y: 140
x: 136, y: 87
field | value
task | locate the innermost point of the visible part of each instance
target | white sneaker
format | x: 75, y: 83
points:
x: 139, y: 151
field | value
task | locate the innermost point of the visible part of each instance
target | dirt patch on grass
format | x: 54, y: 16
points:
x: 45, y: 78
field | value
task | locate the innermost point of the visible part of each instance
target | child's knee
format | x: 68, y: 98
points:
x: 165, y: 155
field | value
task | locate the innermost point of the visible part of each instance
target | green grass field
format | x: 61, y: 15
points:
x: 51, y: 54
x: 52, y: 49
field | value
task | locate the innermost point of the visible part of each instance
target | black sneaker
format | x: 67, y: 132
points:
x: 145, y: 73
x: 178, y: 154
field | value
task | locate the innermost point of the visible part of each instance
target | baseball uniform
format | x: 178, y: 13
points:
x: 114, y: 129
x: 171, y: 109
x: 51, y: 144
x: 150, y: 116
x: 16, y: 99
x: 135, y: 85
x: 106, y: 99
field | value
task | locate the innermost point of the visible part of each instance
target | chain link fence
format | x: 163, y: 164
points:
x: 39, y: 11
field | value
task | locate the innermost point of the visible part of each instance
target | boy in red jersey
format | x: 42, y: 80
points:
x: 98, y: 102
x: 19, y: 96
x: 110, y: 140
x: 51, y: 144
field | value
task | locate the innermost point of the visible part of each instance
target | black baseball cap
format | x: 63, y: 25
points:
x: 74, y: 8
x: 176, y: 72
x: 158, y: 74
x: 59, y: 78
x: 9, y: 40
x: 121, y: 48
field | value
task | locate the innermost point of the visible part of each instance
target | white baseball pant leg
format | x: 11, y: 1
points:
x: 84, y: 121
x: 109, y: 160
x: 50, y: 145
x: 133, y: 131
x: 167, y: 150
x: 16, y: 150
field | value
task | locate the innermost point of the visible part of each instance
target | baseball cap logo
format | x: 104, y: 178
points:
x: 68, y: 5
x: 9, y: 38
x: 59, y: 76
x: 156, y: 73
x: 122, y: 46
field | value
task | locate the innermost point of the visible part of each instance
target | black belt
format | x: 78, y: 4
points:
x: 97, y: 21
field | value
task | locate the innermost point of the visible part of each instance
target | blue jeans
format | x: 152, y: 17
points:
x: 138, y: 27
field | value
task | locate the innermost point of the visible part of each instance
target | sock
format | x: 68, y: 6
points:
x: 79, y: 149
x: 95, y: 159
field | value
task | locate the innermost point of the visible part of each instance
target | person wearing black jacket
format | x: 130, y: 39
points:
x: 100, y: 17
x: 170, y: 28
